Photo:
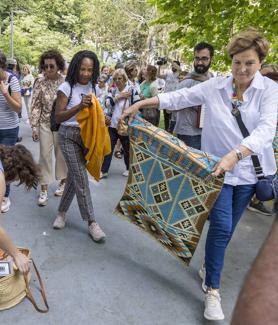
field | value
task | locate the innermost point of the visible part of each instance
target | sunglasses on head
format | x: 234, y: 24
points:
x: 49, y: 66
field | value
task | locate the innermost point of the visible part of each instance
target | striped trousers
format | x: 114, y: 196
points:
x: 77, y: 179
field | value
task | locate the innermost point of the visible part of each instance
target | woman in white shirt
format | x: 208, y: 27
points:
x: 257, y: 99
x: 27, y: 87
x: 122, y: 96
x: 74, y: 95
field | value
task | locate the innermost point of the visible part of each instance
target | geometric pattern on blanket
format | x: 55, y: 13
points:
x: 169, y: 191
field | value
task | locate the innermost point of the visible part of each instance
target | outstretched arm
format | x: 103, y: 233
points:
x: 6, y: 243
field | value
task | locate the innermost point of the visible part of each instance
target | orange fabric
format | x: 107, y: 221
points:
x: 95, y: 136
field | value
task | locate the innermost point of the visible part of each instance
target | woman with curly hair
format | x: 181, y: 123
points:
x: 73, y: 96
x: 16, y: 164
x: 10, y: 106
x: 44, y: 93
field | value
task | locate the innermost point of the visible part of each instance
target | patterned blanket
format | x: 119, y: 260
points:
x: 169, y: 191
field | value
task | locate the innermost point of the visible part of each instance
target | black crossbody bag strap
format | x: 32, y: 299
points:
x: 256, y: 163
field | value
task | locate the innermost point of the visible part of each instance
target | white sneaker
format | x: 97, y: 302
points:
x: 202, y: 275
x: 6, y: 203
x: 96, y: 232
x: 60, y: 189
x: 125, y: 173
x: 103, y: 175
x: 59, y: 222
x: 43, y: 198
x: 213, y: 309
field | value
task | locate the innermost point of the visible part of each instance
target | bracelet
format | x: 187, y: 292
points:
x: 239, y: 154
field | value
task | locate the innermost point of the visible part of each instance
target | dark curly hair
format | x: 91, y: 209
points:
x: 75, y: 64
x: 52, y: 54
x: 19, y: 164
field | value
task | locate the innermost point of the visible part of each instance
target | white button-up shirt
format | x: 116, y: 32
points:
x: 221, y: 132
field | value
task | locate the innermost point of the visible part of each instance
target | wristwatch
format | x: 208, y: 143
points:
x: 238, y: 154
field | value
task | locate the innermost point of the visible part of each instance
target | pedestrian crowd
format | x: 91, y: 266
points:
x: 195, y: 105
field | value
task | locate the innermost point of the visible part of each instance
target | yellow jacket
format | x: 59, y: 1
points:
x: 95, y: 136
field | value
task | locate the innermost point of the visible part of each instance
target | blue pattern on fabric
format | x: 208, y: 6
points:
x: 170, y: 190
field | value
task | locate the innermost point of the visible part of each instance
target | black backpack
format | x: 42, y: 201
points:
x: 54, y: 126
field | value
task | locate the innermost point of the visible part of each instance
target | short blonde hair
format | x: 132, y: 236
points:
x: 27, y: 67
x: 120, y: 73
x: 129, y: 67
x: 248, y: 39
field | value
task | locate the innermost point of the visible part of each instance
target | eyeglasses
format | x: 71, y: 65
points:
x: 49, y: 66
x: 203, y: 59
x: 118, y: 79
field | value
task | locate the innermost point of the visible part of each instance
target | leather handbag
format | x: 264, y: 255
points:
x: 15, y: 287
x: 266, y: 186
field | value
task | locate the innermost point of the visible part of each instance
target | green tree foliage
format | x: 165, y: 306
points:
x: 215, y: 21
x: 70, y: 25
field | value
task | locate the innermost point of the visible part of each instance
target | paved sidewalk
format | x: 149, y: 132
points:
x: 129, y: 280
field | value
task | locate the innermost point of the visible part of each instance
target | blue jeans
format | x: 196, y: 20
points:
x: 114, y: 136
x: 8, y: 138
x: 224, y: 217
x: 193, y: 141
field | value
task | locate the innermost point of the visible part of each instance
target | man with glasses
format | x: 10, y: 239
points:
x: 189, y: 121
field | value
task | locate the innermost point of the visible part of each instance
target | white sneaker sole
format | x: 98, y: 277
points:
x: 42, y: 204
x: 5, y: 210
x: 58, y: 194
x: 59, y: 227
x: 213, y: 318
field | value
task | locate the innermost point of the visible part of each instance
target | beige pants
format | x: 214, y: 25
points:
x: 48, y: 140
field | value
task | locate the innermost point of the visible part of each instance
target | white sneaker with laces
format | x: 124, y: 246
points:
x: 96, y: 232
x: 125, y: 173
x: 60, y: 189
x: 202, y: 275
x: 213, y: 309
x: 43, y: 198
x: 59, y: 222
x: 6, y: 203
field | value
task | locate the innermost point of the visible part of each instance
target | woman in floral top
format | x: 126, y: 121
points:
x: 44, y: 94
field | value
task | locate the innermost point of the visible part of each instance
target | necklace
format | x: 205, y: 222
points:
x: 235, y: 100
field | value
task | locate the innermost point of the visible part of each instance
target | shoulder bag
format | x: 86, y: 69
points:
x: 266, y: 186
x: 15, y: 287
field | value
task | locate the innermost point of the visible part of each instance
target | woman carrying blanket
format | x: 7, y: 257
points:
x: 73, y: 96
x: 256, y: 97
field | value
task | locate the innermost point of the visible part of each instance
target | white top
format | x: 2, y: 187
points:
x: 120, y: 105
x: 221, y: 132
x: 171, y: 81
x: 77, y: 91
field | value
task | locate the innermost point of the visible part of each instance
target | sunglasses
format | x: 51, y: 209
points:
x: 49, y: 66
